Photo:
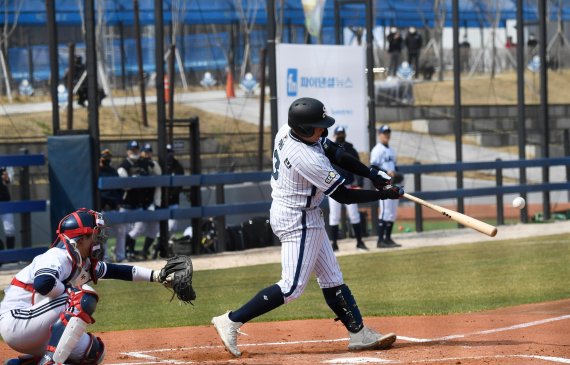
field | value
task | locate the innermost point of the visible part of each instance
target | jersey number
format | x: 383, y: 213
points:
x: 276, y: 163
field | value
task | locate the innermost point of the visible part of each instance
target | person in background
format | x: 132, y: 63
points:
x: 111, y: 198
x: 383, y: 157
x: 414, y: 43
x: 152, y: 228
x: 173, y: 167
x: 464, y: 53
x: 394, y: 49
x: 352, y: 181
x: 7, y: 218
x: 134, y: 199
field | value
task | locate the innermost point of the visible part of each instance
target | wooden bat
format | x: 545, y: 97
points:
x: 463, y: 219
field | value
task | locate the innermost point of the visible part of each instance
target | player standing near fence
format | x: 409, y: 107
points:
x: 302, y: 176
x: 7, y: 218
x: 351, y: 181
x: 384, y: 157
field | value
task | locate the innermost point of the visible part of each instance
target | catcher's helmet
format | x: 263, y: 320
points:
x: 81, y: 223
x: 306, y: 114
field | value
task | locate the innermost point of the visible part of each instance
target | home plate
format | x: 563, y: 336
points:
x: 359, y: 360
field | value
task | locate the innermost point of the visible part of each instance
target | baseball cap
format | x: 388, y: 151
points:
x: 132, y: 145
x: 339, y: 129
x: 384, y: 129
x: 147, y: 147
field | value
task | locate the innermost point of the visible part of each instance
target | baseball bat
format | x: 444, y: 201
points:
x: 463, y: 219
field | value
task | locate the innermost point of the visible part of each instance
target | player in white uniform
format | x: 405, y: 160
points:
x: 47, y: 306
x: 383, y: 156
x: 302, y: 176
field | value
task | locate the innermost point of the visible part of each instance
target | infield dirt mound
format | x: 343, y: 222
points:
x: 528, y: 334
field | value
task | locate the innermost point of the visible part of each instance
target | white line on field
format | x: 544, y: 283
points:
x: 155, y: 360
x: 377, y: 360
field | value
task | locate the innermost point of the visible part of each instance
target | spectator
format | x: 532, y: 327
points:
x: 134, y: 199
x: 464, y: 53
x: 25, y: 89
x: 532, y: 46
x: 394, y: 49
x: 510, y: 44
x: 110, y: 199
x: 384, y: 157
x: 173, y: 167
x: 208, y: 80
x: 7, y: 218
x: 78, y: 70
x: 405, y: 72
x: 414, y: 43
x: 151, y: 228
x: 351, y: 181
x: 248, y: 84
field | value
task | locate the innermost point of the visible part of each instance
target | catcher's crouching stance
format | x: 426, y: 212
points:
x: 47, y: 306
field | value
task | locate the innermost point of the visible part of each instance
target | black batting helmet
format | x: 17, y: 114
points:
x: 306, y: 114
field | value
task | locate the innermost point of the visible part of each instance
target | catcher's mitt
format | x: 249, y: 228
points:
x: 397, y: 179
x: 177, y: 275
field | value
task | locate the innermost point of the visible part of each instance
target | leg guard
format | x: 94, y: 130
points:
x: 342, y: 303
x: 95, y: 352
x: 72, y: 324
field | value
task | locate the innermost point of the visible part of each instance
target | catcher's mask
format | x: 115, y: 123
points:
x: 84, y: 222
x: 306, y: 114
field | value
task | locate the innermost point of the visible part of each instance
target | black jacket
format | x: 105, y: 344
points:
x: 173, y: 167
x: 414, y: 43
x: 350, y: 178
x: 110, y: 199
x: 139, y: 197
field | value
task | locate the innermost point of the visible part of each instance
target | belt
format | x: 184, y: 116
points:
x: 18, y: 283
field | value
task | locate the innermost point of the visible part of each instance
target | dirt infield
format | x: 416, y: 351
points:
x: 528, y: 334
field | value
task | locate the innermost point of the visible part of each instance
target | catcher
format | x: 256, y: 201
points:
x: 48, y: 305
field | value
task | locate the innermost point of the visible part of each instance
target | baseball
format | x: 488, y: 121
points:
x: 519, y: 202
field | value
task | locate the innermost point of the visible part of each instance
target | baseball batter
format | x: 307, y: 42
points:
x: 48, y: 305
x: 302, y: 176
x: 383, y: 156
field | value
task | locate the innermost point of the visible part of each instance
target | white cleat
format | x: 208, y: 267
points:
x: 228, y: 331
x: 368, y: 339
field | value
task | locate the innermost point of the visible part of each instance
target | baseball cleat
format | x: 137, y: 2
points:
x: 228, y: 331
x: 368, y: 339
x: 361, y: 246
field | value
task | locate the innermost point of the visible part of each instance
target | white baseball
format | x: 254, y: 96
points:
x: 519, y: 202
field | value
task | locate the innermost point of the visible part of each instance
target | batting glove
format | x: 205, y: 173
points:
x: 379, y: 178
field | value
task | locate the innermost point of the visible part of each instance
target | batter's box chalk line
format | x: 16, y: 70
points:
x: 377, y: 360
x: 150, y: 359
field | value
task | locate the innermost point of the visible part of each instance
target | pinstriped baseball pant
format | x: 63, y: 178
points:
x: 305, y: 248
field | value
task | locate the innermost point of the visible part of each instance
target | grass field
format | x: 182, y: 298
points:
x: 453, y: 279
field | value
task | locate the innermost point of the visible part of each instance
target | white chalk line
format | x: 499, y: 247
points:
x: 155, y: 360
x: 377, y: 360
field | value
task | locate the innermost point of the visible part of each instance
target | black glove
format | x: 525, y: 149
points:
x: 397, y: 178
x: 393, y: 191
x: 177, y: 275
x: 379, y: 177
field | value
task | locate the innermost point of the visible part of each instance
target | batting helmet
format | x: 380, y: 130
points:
x: 306, y: 114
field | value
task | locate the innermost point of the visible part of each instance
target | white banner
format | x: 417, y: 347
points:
x: 333, y: 74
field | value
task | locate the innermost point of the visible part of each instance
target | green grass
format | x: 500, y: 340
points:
x: 435, y: 280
